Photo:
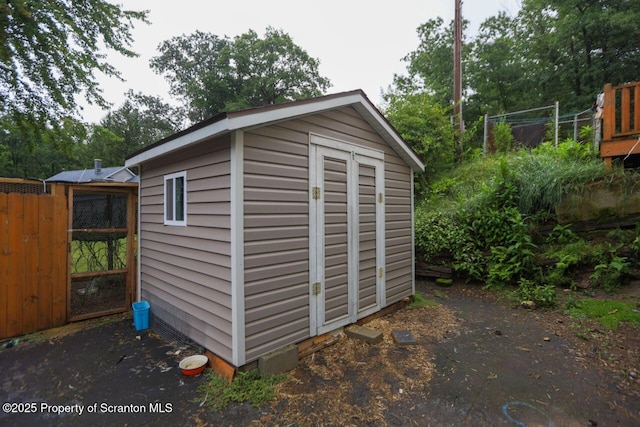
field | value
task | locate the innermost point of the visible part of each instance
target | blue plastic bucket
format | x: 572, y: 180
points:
x: 141, y: 315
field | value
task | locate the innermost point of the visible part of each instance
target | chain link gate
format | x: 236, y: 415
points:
x: 101, y: 255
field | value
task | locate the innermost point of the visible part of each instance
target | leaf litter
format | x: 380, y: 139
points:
x: 353, y: 382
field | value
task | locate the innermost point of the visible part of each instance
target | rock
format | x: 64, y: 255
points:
x: 528, y: 304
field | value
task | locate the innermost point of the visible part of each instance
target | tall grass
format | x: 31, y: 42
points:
x: 540, y: 177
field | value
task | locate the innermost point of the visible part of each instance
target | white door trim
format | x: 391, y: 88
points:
x: 336, y: 144
x: 354, y: 155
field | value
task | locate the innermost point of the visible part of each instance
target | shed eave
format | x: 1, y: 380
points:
x: 189, y: 138
x: 258, y: 117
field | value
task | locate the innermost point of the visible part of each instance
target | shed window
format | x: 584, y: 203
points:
x: 175, y: 200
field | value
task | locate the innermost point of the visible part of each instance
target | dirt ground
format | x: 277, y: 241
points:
x: 477, y: 361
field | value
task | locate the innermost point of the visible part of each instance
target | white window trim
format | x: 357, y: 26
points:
x: 172, y: 177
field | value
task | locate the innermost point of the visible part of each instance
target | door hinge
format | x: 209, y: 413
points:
x: 380, y: 272
x: 380, y: 198
x: 316, y: 192
x: 316, y: 288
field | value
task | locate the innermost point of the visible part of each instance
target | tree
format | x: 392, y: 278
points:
x: 49, y: 52
x: 198, y: 71
x: 553, y: 50
x: 52, y: 153
x: 212, y: 74
x: 430, y: 66
x: 577, y: 46
x: 140, y: 120
x: 425, y: 125
x: 272, y: 70
x: 500, y: 78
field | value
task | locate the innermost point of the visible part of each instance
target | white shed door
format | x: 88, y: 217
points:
x: 346, y: 234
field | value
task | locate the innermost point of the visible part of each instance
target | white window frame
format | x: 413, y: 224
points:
x: 172, y: 178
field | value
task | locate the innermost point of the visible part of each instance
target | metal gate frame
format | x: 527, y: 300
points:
x: 129, y: 271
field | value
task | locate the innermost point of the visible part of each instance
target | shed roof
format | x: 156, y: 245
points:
x: 262, y: 116
x: 91, y: 175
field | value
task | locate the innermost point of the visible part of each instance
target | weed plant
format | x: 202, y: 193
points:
x: 419, y: 301
x: 217, y: 392
x: 543, y: 296
x: 612, y: 269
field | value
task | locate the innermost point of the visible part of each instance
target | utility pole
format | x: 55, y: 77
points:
x: 457, y: 77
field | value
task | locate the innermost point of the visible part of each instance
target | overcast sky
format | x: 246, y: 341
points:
x: 360, y: 43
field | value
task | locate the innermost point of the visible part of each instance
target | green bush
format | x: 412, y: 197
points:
x: 509, y: 263
x: 502, y: 137
x: 481, y: 214
x: 610, y: 275
x: 435, y: 233
x: 502, y: 234
x: 545, y: 175
x: 562, y: 234
x: 543, y: 296
x: 569, y: 257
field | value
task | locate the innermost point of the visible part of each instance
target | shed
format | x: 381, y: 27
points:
x: 265, y: 227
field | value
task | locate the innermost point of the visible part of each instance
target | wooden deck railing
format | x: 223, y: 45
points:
x: 621, y: 120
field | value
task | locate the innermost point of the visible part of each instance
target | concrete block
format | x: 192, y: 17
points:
x: 364, y: 334
x: 403, y: 337
x: 279, y: 361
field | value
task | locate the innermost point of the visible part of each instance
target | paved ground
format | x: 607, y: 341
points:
x: 501, y: 370
x: 494, y: 369
x: 99, y: 370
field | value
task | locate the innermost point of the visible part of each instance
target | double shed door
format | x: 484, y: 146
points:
x: 347, y: 233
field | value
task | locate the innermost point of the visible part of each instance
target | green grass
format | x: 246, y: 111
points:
x: 419, y: 301
x: 253, y: 387
x: 91, y: 256
x: 607, y: 312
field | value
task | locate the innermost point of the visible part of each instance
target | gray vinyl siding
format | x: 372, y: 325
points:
x: 398, y: 249
x: 367, y: 238
x: 336, y: 242
x: 276, y: 239
x: 276, y: 224
x: 186, y: 271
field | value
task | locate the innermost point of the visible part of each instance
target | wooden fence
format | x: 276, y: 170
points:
x: 33, y: 260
